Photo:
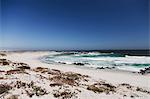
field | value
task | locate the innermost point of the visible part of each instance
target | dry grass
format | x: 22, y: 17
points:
x: 4, y: 62
x: 69, y: 78
x: 56, y: 84
x: 15, y: 71
x: 31, y: 89
x: 41, y: 69
x: 102, y: 87
x: 4, y: 88
x: 24, y: 67
x: 2, y: 54
x: 65, y: 94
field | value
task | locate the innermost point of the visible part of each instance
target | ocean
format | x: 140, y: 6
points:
x: 130, y: 60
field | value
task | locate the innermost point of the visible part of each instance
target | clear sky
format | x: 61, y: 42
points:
x: 74, y: 24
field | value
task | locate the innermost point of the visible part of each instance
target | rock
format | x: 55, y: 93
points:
x: 61, y: 62
x: 132, y: 96
x: 145, y: 71
x: 24, y: 67
x: 105, y: 67
x: 100, y: 68
x: 109, y: 67
x: 56, y: 84
x: 81, y: 64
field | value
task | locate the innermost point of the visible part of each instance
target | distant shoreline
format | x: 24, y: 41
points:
x: 134, y: 52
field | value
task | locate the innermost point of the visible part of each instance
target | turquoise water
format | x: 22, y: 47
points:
x: 95, y: 60
x: 103, y: 55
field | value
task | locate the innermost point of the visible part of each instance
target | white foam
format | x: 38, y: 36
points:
x: 124, y: 63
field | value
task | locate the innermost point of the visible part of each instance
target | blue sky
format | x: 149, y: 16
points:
x: 74, y: 24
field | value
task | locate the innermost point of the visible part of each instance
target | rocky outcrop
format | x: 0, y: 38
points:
x: 145, y: 71
x: 105, y: 68
x: 81, y: 64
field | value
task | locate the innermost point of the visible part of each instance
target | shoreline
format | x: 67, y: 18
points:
x: 115, y: 77
x: 114, y: 68
x: 65, y: 67
x: 40, y: 58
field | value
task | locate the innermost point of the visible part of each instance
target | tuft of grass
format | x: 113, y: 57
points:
x: 31, y: 89
x: 4, y: 62
x: 4, y: 88
x: 69, y: 78
x: 66, y: 94
x: 2, y: 54
x: 142, y: 90
x: 24, y: 67
x: 41, y: 70
x: 101, y: 87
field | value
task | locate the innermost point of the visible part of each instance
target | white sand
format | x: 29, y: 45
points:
x: 32, y: 58
x: 110, y: 76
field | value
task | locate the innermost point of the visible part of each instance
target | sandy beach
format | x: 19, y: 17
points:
x: 124, y: 84
x: 74, y: 49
